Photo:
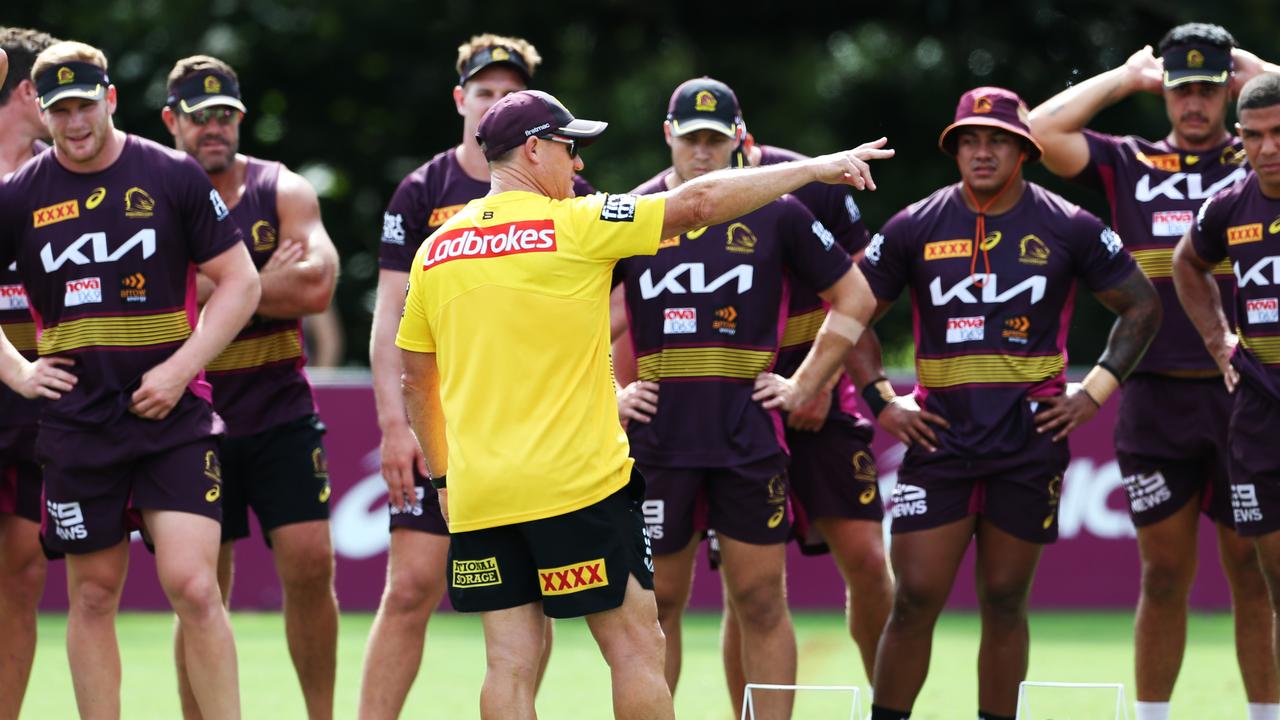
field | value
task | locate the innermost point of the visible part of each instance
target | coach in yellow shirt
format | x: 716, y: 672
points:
x: 508, y: 388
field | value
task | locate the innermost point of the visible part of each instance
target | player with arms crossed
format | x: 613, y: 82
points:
x: 992, y: 263
x: 273, y: 457
x: 22, y: 563
x: 489, y: 67
x: 510, y: 299
x: 1242, y: 225
x: 1171, y: 436
x: 88, y: 223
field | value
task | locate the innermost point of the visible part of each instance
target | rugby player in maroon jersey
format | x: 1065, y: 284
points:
x: 22, y: 564
x: 1171, y: 435
x: 490, y: 67
x: 102, y: 215
x: 273, y: 456
x: 992, y: 264
x: 1242, y: 224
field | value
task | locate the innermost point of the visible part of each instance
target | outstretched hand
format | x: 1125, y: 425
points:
x: 851, y: 166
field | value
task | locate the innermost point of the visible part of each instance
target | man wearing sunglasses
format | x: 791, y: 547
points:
x: 489, y: 68
x: 509, y: 299
x: 107, y: 230
x: 273, y: 456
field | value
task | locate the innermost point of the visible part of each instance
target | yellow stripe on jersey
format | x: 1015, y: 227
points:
x: 258, y: 351
x: 803, y: 328
x: 1266, y: 349
x: 727, y: 362
x: 21, y: 334
x: 1158, y: 263
x: 987, y: 369
x: 125, y: 331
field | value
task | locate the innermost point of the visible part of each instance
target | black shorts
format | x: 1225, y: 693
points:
x: 423, y: 517
x: 576, y: 564
x: 281, y: 472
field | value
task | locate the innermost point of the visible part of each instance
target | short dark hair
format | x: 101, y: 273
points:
x: 1197, y: 34
x: 22, y: 45
x: 1262, y: 91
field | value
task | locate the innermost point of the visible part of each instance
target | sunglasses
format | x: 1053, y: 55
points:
x: 221, y: 115
x: 573, y: 144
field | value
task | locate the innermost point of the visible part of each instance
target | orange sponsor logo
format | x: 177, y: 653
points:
x: 574, y: 578
x: 1241, y: 234
x: 56, y: 213
x: 982, y: 104
x: 944, y: 249
x: 1171, y: 162
x: 441, y: 214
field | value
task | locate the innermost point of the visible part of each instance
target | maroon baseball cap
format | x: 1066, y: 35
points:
x: 991, y: 107
x: 531, y: 113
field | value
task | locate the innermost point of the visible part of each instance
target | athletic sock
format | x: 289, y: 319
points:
x: 1264, y: 711
x: 1150, y: 710
x: 884, y: 713
x: 983, y: 715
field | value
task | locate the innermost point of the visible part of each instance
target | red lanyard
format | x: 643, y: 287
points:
x: 980, y: 227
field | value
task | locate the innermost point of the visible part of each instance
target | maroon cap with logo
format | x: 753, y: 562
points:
x: 991, y: 107
x: 531, y: 113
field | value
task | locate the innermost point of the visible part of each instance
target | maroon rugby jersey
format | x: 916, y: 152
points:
x: 424, y: 200
x: 981, y: 350
x: 1154, y: 190
x: 16, y: 412
x: 1242, y: 225
x: 108, y: 260
x: 706, y: 316
x: 258, y: 381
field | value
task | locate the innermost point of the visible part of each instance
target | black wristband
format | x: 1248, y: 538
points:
x: 438, y: 482
x: 872, y: 395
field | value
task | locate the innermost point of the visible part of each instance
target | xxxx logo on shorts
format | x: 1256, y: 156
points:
x: 476, y: 573
x: 573, y: 578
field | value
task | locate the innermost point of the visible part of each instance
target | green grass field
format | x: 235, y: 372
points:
x: 1065, y: 647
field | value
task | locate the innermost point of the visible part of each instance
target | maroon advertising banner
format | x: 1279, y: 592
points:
x: 1093, y: 565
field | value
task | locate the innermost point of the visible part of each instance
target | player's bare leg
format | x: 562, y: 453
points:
x: 22, y: 574
x: 672, y: 583
x: 924, y: 568
x: 630, y: 638
x: 755, y: 578
x: 304, y: 562
x: 415, y: 584
x: 190, y: 710
x: 187, y: 549
x: 94, y: 583
x: 1168, y: 552
x: 1255, y: 623
x: 513, y: 649
x: 735, y: 675
x: 1269, y: 558
x: 1005, y: 568
x: 858, y: 547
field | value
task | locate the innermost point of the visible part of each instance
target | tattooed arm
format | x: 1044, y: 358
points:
x: 1138, y: 311
x: 1057, y: 123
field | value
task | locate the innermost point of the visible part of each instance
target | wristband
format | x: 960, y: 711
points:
x: 1100, y: 383
x: 878, y: 395
x: 843, y: 325
x: 438, y: 482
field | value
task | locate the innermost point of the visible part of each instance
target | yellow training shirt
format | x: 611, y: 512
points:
x: 512, y: 295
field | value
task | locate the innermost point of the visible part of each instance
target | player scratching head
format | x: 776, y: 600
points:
x: 704, y: 128
x: 1259, y: 111
x: 1196, y: 60
x: 203, y: 111
x: 76, y: 100
x: 990, y: 141
x: 491, y: 67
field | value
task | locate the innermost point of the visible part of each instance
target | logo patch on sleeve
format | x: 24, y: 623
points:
x: 619, y: 208
x: 824, y: 235
x: 220, y: 211
x: 573, y: 578
x: 393, y: 228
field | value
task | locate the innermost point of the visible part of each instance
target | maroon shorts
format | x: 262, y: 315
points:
x: 1255, y: 462
x: 832, y: 474
x: 1171, y: 443
x: 423, y: 517
x: 1017, y: 493
x: 746, y: 503
x: 20, y: 477
x: 87, y: 507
